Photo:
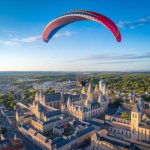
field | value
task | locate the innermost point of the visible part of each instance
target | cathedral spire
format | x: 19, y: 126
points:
x: 37, y: 96
x: 96, y: 88
x: 90, y: 89
x: 100, y: 98
x: 83, y: 91
x: 69, y: 101
x: 40, y: 94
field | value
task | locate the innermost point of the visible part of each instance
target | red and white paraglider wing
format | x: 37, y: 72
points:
x: 74, y: 16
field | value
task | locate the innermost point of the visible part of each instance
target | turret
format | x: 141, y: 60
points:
x: 90, y: 89
x: 62, y: 107
x: 69, y: 102
x: 96, y: 89
x: 83, y: 91
x: 40, y: 95
x: 101, y: 83
x: 37, y: 96
x: 100, y: 98
x: 107, y: 94
x: 33, y: 103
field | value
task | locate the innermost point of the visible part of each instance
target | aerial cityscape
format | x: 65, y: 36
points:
x: 74, y: 75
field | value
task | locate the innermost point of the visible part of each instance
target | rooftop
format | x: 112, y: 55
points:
x: 136, y: 108
x: 59, y: 142
x: 52, y: 97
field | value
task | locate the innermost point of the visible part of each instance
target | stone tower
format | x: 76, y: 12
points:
x: 135, y: 121
x: 90, y: 91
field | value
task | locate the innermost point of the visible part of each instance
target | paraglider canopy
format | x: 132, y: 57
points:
x: 79, y: 15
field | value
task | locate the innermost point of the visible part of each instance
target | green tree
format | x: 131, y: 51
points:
x: 3, y: 130
x: 124, y: 115
x: 117, y: 102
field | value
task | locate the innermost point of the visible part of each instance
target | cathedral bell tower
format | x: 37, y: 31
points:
x: 135, y: 121
x: 90, y: 92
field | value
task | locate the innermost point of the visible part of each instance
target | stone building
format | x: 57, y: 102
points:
x: 102, y: 140
x: 139, y: 130
x: 52, y: 99
x: 59, y: 143
x: 133, y: 128
x: 91, y: 104
x: 45, y: 117
x: 41, y: 115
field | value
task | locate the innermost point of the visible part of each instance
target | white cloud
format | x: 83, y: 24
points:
x: 15, y: 41
x: 134, y: 24
x: 36, y: 38
x: 8, y: 43
x: 66, y: 34
x: 27, y: 39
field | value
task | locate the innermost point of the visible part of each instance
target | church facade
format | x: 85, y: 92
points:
x: 133, y: 128
x: 91, y: 104
x: 51, y: 99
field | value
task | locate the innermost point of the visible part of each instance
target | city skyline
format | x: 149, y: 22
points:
x: 22, y: 49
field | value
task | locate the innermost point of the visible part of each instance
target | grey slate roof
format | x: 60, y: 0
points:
x: 72, y: 97
x: 136, y: 108
x: 2, y: 142
x: 113, y: 141
x: 60, y: 142
x: 47, y: 122
x: 53, y: 113
x: 52, y: 97
x: 90, y: 89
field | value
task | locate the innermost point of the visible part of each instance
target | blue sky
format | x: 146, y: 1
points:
x: 81, y: 46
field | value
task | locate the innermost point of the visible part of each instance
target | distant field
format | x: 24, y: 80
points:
x: 123, y: 81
